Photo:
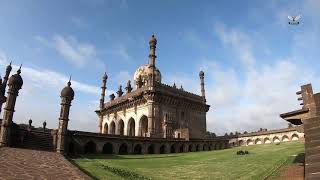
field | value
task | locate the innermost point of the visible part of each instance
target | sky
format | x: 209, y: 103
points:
x: 253, y: 60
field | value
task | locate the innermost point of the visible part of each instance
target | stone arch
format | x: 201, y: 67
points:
x: 151, y: 149
x: 131, y: 127
x: 204, y: 147
x: 71, y: 148
x: 112, y: 128
x: 285, y: 138
x: 90, y: 147
x: 143, y: 126
x: 105, y: 128
x: 120, y: 127
x: 266, y: 140
x: 190, y: 148
x: 181, y: 148
x: 107, y: 148
x: 198, y: 147
x: 162, y: 149
x: 276, y: 139
x: 123, y: 149
x: 241, y: 142
x: 258, y: 141
x: 250, y: 142
x: 137, y: 149
x: 294, y: 137
x: 172, y: 149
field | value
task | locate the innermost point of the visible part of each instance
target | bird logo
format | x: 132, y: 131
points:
x: 294, y: 20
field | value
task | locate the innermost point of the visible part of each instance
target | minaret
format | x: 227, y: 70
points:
x: 67, y: 95
x: 4, y: 85
x: 15, y: 84
x: 103, y: 93
x: 152, y: 55
x: 203, y: 94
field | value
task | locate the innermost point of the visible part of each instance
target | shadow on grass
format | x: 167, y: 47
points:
x: 299, y: 158
x: 82, y: 169
x: 111, y: 156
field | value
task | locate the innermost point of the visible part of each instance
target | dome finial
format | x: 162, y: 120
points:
x: 69, y: 82
x: 19, y: 70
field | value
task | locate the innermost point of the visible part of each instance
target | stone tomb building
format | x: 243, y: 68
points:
x: 153, y: 109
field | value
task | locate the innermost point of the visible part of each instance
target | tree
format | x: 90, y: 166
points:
x: 290, y: 125
x: 245, y: 132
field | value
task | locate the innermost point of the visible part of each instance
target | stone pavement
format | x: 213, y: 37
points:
x: 24, y: 164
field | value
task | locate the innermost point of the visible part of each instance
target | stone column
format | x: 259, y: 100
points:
x: 150, y: 118
x: 15, y: 84
x: 67, y: 95
x: 4, y: 85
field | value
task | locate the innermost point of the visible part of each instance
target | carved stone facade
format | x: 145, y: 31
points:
x: 153, y: 109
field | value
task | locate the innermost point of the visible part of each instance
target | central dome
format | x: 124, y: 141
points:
x: 144, y: 72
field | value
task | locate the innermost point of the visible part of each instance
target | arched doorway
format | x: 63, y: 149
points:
x: 90, y: 148
x: 258, y: 141
x: 276, y: 139
x: 163, y: 149
x: 198, y: 147
x: 107, y: 148
x: 121, y: 127
x: 285, y: 138
x: 250, y: 142
x: 294, y: 137
x: 181, y: 149
x: 112, y: 129
x: 204, y: 148
x: 71, y: 148
x: 131, y: 127
x: 123, y: 149
x: 137, y: 149
x: 172, y: 149
x: 151, y: 149
x: 105, y: 129
x: 267, y: 140
x: 241, y: 142
x: 190, y: 148
x: 143, y: 126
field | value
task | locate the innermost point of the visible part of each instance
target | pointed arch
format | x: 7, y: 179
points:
x: 181, y: 148
x: 120, y: 127
x: 172, y: 149
x: 163, y: 149
x: 105, y: 128
x: 276, y: 139
x: 151, y: 149
x: 107, y: 148
x: 123, y: 149
x: 294, y: 137
x: 112, y: 128
x: 143, y: 126
x: 258, y: 141
x: 250, y: 142
x: 266, y: 140
x: 285, y: 138
x: 137, y: 149
x: 90, y: 147
x: 131, y: 127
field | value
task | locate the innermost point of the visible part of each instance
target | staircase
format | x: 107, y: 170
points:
x: 37, y: 140
x: 312, y: 148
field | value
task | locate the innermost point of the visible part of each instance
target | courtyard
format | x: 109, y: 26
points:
x: 263, y: 161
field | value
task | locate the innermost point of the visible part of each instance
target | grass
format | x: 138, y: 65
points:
x: 262, y: 161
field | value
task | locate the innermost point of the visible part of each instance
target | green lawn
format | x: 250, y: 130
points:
x: 262, y: 161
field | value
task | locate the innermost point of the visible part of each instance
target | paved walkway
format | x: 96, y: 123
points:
x: 24, y: 164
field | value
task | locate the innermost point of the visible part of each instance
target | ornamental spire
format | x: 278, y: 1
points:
x: 152, y: 55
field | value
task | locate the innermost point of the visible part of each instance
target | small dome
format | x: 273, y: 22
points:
x: 16, y: 80
x: 67, y: 91
x: 105, y: 76
x: 144, y: 72
x: 201, y: 73
x: 152, y: 41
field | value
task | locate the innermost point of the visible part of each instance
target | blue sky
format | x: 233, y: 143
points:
x: 253, y: 60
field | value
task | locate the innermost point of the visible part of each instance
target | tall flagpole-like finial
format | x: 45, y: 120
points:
x: 19, y: 70
x: 69, y: 82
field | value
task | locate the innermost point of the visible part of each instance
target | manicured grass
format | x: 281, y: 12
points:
x: 261, y: 162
